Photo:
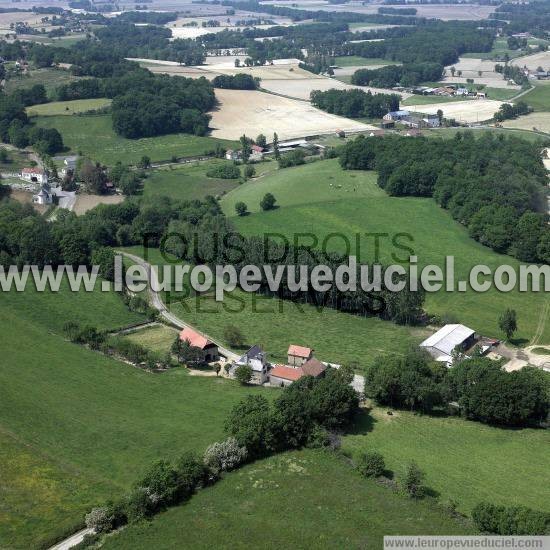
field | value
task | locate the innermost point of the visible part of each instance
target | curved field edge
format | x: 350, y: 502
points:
x: 302, y: 499
x: 350, y: 204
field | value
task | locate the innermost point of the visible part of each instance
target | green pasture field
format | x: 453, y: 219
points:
x: 50, y: 78
x: 68, y: 107
x: 94, y: 137
x: 17, y: 159
x: 538, y: 97
x: 302, y: 499
x: 309, y: 203
x: 357, y: 61
x: 465, y: 461
x: 77, y: 428
x: 157, y: 338
x: 187, y: 181
x: 500, y: 48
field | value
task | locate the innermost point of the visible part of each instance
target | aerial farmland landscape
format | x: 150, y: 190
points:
x: 274, y: 274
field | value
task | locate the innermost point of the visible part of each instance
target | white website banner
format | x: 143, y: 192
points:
x: 457, y: 542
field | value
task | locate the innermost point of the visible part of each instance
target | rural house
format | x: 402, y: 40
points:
x: 256, y: 359
x: 448, y: 339
x: 69, y: 163
x: 34, y: 175
x: 298, y: 355
x: 284, y: 375
x: 395, y: 115
x: 43, y: 196
x: 211, y: 352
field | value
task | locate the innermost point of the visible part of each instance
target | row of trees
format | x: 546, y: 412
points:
x: 354, y: 103
x: 492, y: 184
x: 481, y: 388
x: 239, y: 81
x: 300, y: 415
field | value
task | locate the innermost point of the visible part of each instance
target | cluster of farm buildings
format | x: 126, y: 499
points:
x: 300, y: 361
x: 448, y: 343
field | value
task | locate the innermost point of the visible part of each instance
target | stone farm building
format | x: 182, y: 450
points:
x: 34, y: 175
x: 197, y: 340
x: 298, y: 355
x: 284, y: 375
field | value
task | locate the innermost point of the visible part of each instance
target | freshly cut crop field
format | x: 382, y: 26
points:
x: 87, y: 202
x: 532, y: 62
x: 302, y: 88
x: 346, y: 513
x: 462, y: 111
x: 535, y: 121
x: 67, y: 107
x: 471, y: 67
x: 252, y: 112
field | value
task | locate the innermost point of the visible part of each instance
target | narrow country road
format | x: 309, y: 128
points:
x: 73, y: 540
x: 165, y: 313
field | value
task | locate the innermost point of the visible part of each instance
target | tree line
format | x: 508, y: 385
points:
x: 494, y: 185
x: 354, y: 103
x: 410, y: 74
x: 478, y: 388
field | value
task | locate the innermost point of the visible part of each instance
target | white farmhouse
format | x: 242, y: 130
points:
x: 256, y: 359
x: 34, y: 175
x: 451, y: 337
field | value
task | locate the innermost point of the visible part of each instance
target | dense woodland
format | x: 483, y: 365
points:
x: 27, y: 238
x: 355, y: 103
x: 482, y: 390
x: 411, y: 74
x: 493, y: 185
x: 239, y: 81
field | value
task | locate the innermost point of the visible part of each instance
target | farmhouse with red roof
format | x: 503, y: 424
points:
x: 298, y: 355
x: 197, y: 340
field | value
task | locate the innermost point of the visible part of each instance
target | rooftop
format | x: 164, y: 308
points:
x: 447, y: 338
x: 195, y: 339
x: 299, y: 351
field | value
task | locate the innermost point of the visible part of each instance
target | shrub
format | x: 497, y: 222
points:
x: 190, y: 474
x: 413, y: 481
x: 138, y: 505
x: 243, y: 373
x: 371, y: 464
x: 241, y: 208
x: 249, y: 171
x: 100, y: 519
x: 224, y: 171
x: 510, y: 520
x: 224, y: 456
x: 268, y: 202
x: 294, y: 158
x: 233, y: 335
x: 319, y: 438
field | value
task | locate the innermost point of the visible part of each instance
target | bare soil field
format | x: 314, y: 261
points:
x: 24, y: 197
x: 442, y: 11
x: 470, y: 69
x: 31, y: 19
x: 302, y: 88
x: 87, y: 202
x: 251, y: 113
x: 532, y: 62
x: 462, y: 111
x: 534, y: 121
